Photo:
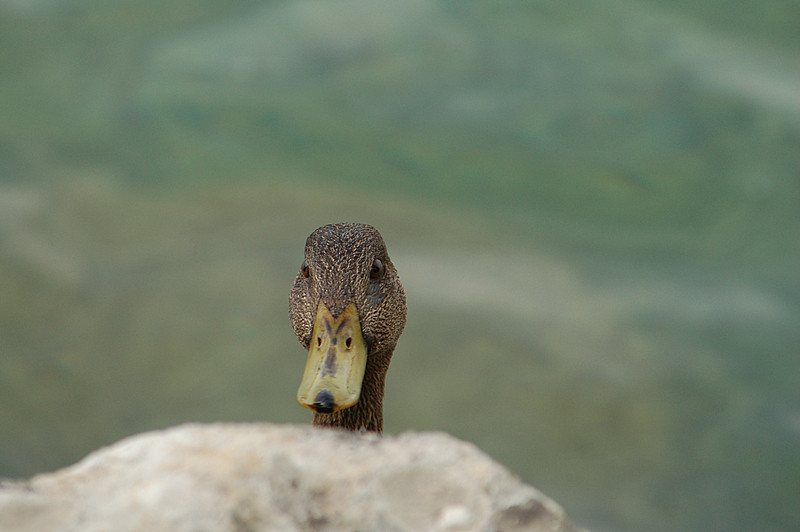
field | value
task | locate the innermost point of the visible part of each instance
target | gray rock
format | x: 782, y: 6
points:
x: 259, y: 477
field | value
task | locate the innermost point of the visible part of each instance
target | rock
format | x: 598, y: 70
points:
x: 260, y: 477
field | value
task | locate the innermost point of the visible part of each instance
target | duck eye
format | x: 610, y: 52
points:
x: 377, y: 269
x: 304, y: 268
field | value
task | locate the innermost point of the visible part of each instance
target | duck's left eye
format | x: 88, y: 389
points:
x: 304, y: 269
x: 377, y: 269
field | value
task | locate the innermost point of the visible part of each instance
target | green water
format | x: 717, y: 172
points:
x: 594, y: 208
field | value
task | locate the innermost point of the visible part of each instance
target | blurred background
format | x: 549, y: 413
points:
x: 594, y: 208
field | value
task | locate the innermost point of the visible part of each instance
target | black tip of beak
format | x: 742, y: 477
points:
x: 323, y: 403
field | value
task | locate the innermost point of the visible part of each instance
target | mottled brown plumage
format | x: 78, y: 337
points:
x: 348, y: 263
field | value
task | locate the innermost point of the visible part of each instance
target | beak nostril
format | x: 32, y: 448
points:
x: 348, y: 343
x: 319, y: 341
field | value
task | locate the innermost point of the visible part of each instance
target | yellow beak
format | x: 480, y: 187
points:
x: 337, y: 358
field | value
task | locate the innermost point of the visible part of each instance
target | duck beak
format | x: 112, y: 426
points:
x: 337, y: 358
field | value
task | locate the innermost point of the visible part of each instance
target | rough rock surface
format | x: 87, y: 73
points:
x: 259, y: 478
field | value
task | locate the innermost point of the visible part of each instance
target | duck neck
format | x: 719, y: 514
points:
x: 367, y: 413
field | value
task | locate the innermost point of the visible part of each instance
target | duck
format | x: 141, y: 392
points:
x: 348, y: 309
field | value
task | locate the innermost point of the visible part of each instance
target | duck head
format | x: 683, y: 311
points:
x: 347, y: 308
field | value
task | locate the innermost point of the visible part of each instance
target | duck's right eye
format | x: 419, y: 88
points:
x: 304, y: 268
